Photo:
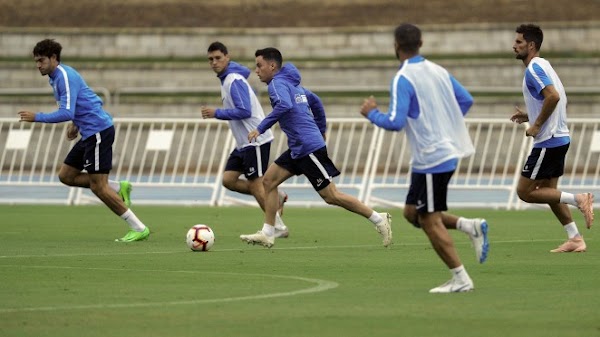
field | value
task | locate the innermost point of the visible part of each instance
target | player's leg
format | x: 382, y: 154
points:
x: 475, y: 228
x: 424, y: 207
x: 71, y: 174
x: 253, y: 162
x: 232, y: 182
x: 440, y: 239
x: 575, y: 242
x: 320, y: 171
x: 274, y: 176
x: 98, y: 154
x: 382, y: 221
x: 234, y: 168
x: 99, y: 186
x: 332, y: 196
x: 442, y: 243
x: 536, y: 185
x: 70, y: 171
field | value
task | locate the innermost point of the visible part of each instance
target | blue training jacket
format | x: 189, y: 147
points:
x: 299, y: 111
x: 76, y: 102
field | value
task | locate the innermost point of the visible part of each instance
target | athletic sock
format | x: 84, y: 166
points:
x: 460, y: 273
x: 268, y: 230
x: 279, y: 222
x: 465, y: 225
x: 568, y: 198
x: 571, y: 229
x: 133, y: 221
x: 375, y: 218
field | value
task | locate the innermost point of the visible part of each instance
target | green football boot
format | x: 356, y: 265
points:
x: 125, y: 192
x: 135, y: 236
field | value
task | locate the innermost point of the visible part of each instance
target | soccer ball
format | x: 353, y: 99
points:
x: 200, y: 238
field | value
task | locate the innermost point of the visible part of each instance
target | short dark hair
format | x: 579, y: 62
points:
x: 270, y: 54
x: 47, y: 47
x: 408, y: 38
x: 218, y: 46
x: 530, y: 33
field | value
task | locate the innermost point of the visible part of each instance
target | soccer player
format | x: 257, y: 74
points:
x: 301, y: 116
x: 546, y: 103
x: 244, y: 112
x: 93, y: 152
x: 430, y: 104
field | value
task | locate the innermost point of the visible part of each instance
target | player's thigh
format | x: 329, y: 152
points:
x: 275, y: 175
x: 231, y: 177
x: 411, y: 215
x: 67, y: 173
x: 98, y: 181
x: 527, y: 185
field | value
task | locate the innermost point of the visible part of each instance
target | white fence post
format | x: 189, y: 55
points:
x: 184, y: 163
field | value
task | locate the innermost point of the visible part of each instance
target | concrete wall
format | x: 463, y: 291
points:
x: 293, y: 42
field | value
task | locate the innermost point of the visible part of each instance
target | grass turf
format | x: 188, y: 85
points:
x: 61, y: 274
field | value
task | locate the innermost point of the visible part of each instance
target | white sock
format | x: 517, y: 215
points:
x: 568, y: 198
x: 465, y: 225
x: 279, y: 222
x: 460, y: 273
x: 133, y: 221
x: 571, y: 229
x: 375, y: 218
x: 268, y: 230
x: 114, y: 185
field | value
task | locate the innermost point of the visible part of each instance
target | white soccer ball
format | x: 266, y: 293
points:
x: 200, y: 238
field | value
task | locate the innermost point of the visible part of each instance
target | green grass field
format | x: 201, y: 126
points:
x: 61, y: 274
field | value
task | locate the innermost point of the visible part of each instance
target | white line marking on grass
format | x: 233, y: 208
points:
x: 321, y: 285
x: 259, y: 249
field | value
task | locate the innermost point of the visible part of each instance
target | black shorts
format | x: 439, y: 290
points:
x: 429, y: 191
x: 317, y: 167
x: 252, y: 160
x: 545, y: 163
x: 94, y: 154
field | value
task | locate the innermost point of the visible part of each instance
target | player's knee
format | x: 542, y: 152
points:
x: 412, y: 217
x: 330, y: 199
x: 524, y: 194
x: 268, y: 184
x: 228, y: 184
x: 65, y: 178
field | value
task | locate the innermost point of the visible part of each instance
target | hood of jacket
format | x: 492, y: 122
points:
x: 235, y: 68
x: 289, y: 73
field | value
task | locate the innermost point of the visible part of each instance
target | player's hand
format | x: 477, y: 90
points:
x: 368, y: 105
x: 26, y: 116
x: 532, y: 131
x: 253, y: 135
x: 519, y: 116
x: 72, y: 131
x: 208, y: 112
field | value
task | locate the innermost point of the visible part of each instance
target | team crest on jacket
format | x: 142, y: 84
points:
x: 300, y: 99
